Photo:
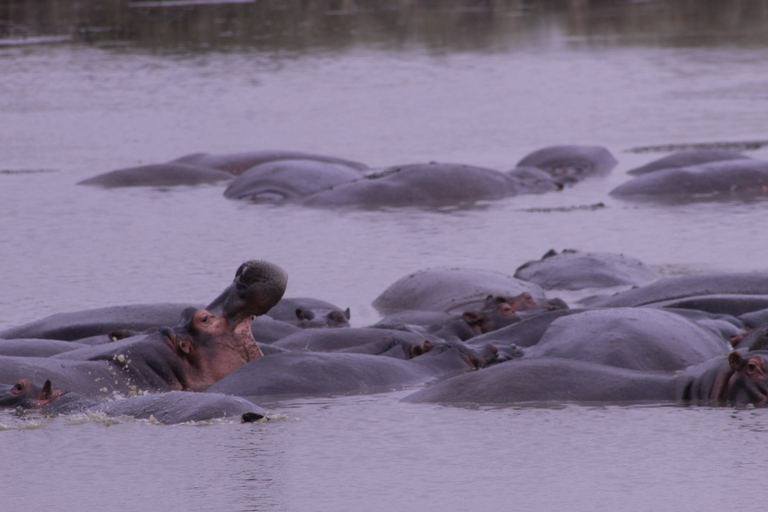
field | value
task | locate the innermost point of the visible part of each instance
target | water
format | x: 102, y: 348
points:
x: 433, y: 90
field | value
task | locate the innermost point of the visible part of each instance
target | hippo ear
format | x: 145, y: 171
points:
x: 184, y: 344
x: 347, y: 314
x: 735, y: 361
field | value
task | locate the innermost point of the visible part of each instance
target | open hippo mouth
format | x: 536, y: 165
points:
x: 211, y: 343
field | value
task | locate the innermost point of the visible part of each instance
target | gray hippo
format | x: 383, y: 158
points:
x: 574, y: 270
x: 633, y: 338
x: 237, y: 163
x: 450, y: 290
x: 686, y: 159
x: 670, y: 291
x: 307, y: 312
x: 736, y: 379
x: 284, y: 180
x: 157, y: 175
x: 206, y: 345
x: 428, y: 185
x: 293, y: 374
x: 168, y: 408
x: 571, y: 162
x: 118, y: 320
x: 552, y: 379
x: 741, y: 178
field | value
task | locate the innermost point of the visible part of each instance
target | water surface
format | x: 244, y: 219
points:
x: 539, y: 77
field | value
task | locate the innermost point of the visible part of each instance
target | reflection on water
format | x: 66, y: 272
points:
x: 299, y: 25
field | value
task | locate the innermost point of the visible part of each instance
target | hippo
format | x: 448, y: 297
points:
x: 687, y: 158
x: 283, y: 180
x: 669, y: 289
x: 575, y: 270
x: 632, y: 338
x: 740, y: 179
x: 117, y: 320
x: 428, y: 185
x: 167, y: 408
x: 37, y: 347
x: 524, y: 333
x: 206, y: 345
x: 552, y: 379
x: 157, y: 175
x: 294, y: 374
x: 306, y: 312
x: 737, y: 379
x: 450, y: 290
x: 571, y: 163
x: 328, y: 340
x: 533, y: 180
x: 236, y: 164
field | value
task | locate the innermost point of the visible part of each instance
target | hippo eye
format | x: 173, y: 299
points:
x: 751, y: 367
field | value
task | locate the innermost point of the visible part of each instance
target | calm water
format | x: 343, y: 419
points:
x: 72, y: 110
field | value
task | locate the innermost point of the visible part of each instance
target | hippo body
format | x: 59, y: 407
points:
x: 686, y: 159
x: 236, y: 164
x: 574, y: 270
x: 429, y: 185
x: 308, y: 312
x: 36, y: 347
x: 283, y: 180
x: 450, y: 290
x: 680, y: 287
x: 551, y: 379
x: 741, y: 179
x: 292, y: 374
x: 157, y: 175
x: 329, y: 340
x: 633, y: 338
x: 571, y: 162
x: 99, y: 321
x: 168, y: 408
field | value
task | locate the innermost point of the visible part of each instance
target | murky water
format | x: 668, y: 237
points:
x: 74, y: 110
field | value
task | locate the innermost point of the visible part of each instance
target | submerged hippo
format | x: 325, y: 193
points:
x: 157, y: 175
x: 735, y: 379
x: 686, y: 159
x: 292, y: 374
x: 571, y: 163
x: 450, y: 290
x: 431, y: 185
x: 206, y: 345
x: 741, y: 178
x: 284, y: 180
x: 237, y: 163
x: 575, y: 270
x: 167, y: 408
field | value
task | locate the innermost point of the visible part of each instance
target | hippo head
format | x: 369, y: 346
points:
x: 29, y: 396
x: 213, y: 342
x: 748, y: 382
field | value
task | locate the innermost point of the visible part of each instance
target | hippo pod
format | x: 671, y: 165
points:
x: 206, y: 345
x: 737, y: 178
x: 168, y: 408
